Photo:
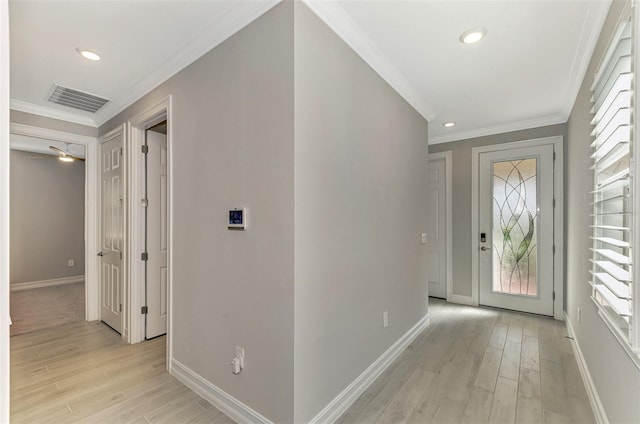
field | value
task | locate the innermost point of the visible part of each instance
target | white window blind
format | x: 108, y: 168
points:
x: 613, y: 179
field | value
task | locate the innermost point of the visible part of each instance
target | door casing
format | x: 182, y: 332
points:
x: 91, y: 213
x: 558, y: 216
x: 137, y: 127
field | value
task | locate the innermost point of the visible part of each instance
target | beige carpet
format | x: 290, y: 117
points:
x: 35, y: 309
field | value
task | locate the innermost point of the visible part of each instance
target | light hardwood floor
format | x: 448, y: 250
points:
x: 479, y: 365
x: 84, y: 372
x: 472, y: 365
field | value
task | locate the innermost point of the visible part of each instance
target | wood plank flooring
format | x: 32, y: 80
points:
x: 84, y: 372
x: 479, y: 365
x: 472, y: 365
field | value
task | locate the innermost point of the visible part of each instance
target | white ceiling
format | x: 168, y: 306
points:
x: 525, y: 73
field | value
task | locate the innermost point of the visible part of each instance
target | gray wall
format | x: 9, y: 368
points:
x: 361, y: 204
x: 53, y: 124
x: 616, y: 378
x: 47, y: 218
x: 461, y: 193
x: 233, y: 146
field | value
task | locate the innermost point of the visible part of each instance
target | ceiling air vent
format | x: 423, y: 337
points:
x: 76, y: 99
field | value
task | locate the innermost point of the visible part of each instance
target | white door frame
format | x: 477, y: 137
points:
x: 91, y: 228
x: 133, y: 147
x: 448, y: 161
x: 558, y: 214
x: 5, y: 321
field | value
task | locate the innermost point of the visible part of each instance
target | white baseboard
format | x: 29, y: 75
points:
x: 592, y: 393
x: 344, y: 400
x: 462, y: 300
x: 46, y: 283
x: 236, y: 410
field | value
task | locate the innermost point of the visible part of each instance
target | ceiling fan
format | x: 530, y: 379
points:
x: 60, y: 154
x: 65, y: 155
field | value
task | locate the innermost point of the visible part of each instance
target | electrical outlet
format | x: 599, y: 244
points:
x: 235, y: 366
x: 423, y: 238
x: 240, y: 356
x: 385, y: 319
x: 71, y: 262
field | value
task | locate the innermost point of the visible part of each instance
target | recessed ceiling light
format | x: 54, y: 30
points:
x: 473, y: 35
x: 448, y: 124
x: 88, y: 54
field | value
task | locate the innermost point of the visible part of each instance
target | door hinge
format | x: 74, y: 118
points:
x: 145, y: 149
x: 145, y: 203
x: 121, y: 307
x: 554, y: 249
x: 144, y: 256
x: 144, y: 310
x: 554, y: 203
x: 554, y: 295
x: 120, y: 255
x: 554, y: 155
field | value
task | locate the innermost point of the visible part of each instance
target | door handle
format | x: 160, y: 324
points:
x: 483, y: 248
x: 100, y: 254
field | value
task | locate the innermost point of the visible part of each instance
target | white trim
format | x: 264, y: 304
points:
x: 617, y: 333
x: 135, y: 171
x: 92, y: 246
x: 49, y: 112
x: 558, y: 217
x: 5, y: 321
x: 52, y: 282
x: 462, y: 300
x: 352, y: 392
x: 334, y: 16
x: 474, y: 228
x: 499, y: 129
x: 592, y: 26
x: 239, y: 15
x: 448, y: 161
x: 232, y: 407
x: 592, y: 392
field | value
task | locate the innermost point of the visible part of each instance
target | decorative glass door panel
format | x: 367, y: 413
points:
x: 515, y: 216
x: 515, y: 220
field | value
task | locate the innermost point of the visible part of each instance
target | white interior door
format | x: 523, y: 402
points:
x: 112, y: 233
x: 157, y: 238
x: 515, y: 239
x: 436, y: 229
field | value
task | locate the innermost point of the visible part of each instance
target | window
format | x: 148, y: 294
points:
x: 614, y: 192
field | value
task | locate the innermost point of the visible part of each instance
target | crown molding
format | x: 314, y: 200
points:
x: 224, y: 26
x: 499, y: 129
x: 592, y: 26
x: 332, y: 14
x: 48, y: 112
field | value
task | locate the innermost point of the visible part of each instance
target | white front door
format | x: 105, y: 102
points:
x: 157, y: 238
x: 516, y: 225
x: 112, y: 233
x: 437, y: 228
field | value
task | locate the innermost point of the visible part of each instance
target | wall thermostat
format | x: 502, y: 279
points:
x: 238, y: 218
